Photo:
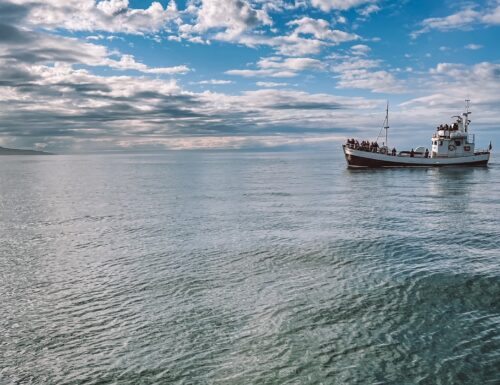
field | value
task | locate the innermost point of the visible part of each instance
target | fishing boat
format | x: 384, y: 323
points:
x: 452, y: 145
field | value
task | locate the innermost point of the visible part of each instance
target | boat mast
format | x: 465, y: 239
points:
x: 384, y: 127
x: 386, y: 124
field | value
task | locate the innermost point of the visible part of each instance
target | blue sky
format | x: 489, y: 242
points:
x: 85, y: 75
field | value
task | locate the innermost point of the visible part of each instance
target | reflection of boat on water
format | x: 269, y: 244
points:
x: 452, y: 145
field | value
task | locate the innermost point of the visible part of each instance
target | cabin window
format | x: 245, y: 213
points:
x: 435, y: 142
x: 458, y: 142
x: 440, y: 142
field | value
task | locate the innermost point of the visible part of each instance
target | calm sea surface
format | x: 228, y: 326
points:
x: 247, y: 268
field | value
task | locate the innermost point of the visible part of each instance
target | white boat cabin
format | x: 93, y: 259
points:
x: 450, y: 141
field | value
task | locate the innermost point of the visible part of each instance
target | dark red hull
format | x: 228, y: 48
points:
x: 357, y: 161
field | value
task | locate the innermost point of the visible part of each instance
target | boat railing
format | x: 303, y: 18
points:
x: 386, y: 151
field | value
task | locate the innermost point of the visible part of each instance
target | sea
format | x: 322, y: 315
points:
x: 192, y: 267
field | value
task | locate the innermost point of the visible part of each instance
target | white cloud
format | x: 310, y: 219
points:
x: 216, y: 82
x: 95, y: 37
x: 37, y: 48
x: 119, y: 85
x: 244, y: 22
x: 353, y: 72
x: 457, y: 20
x: 492, y: 17
x: 354, y: 63
x: 482, y: 80
x: 102, y: 37
x: 127, y: 62
x: 282, y: 5
x: 262, y: 73
x: 376, y: 81
x: 108, y: 15
x: 291, y: 45
x: 308, y: 37
x: 372, y: 8
x: 26, y: 46
x: 280, y: 68
x: 473, y: 46
x: 112, y: 7
x: 271, y: 84
x: 320, y: 29
x: 235, y: 16
x: 287, y: 108
x: 463, y: 19
x: 360, y: 49
x: 293, y: 64
x: 233, y: 21
x: 294, y: 45
x: 342, y: 5
x: 70, y: 101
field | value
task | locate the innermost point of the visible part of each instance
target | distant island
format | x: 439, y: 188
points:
x: 14, y: 151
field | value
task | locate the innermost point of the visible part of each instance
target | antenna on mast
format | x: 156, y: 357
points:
x: 466, y: 115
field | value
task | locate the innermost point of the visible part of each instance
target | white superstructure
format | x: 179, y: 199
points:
x: 451, y: 141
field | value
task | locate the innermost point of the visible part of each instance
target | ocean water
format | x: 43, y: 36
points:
x: 247, y: 268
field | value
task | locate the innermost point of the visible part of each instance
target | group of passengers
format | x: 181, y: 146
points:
x: 366, y: 145
x: 448, y: 127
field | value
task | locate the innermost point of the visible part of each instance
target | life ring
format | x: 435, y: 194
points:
x: 451, y: 147
x: 383, y: 150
